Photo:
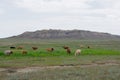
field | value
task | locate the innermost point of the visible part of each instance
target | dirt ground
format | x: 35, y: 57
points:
x: 33, y: 69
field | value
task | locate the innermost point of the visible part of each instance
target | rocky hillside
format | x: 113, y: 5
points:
x: 66, y: 34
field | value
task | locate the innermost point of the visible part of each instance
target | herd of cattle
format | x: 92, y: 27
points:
x: 68, y: 50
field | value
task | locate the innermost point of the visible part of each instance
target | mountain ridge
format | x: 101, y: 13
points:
x: 66, y: 34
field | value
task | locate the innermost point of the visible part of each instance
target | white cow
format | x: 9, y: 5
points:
x: 78, y: 52
x: 8, y: 52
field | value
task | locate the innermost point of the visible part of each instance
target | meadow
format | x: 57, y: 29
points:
x: 100, y: 62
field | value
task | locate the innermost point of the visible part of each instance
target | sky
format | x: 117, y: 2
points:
x: 18, y: 16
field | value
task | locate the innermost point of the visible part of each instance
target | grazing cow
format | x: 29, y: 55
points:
x: 68, y: 50
x: 88, y: 47
x: 20, y: 47
x: 65, y: 47
x: 12, y: 47
x: 50, y: 49
x: 8, y: 52
x: 78, y: 52
x: 81, y: 46
x: 34, y: 48
x: 24, y: 52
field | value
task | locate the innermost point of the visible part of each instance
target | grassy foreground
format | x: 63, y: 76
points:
x: 101, y: 52
x: 90, y: 73
x: 26, y: 61
x: 76, y: 72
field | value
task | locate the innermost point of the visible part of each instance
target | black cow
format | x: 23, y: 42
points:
x: 12, y: 47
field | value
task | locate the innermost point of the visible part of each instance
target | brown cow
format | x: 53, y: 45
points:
x: 65, y: 47
x: 20, y: 47
x: 50, y: 49
x: 68, y: 50
x: 24, y: 52
x: 81, y: 46
x: 34, y: 48
x: 88, y: 47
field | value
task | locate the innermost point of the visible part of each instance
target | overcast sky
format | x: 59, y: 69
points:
x: 18, y: 16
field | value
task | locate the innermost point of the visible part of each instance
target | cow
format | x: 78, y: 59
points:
x: 68, y: 50
x: 78, y: 52
x: 81, y: 46
x: 24, y: 52
x: 12, y: 47
x: 34, y: 48
x: 20, y: 47
x: 8, y: 52
x: 65, y: 47
x: 88, y: 47
x: 50, y: 49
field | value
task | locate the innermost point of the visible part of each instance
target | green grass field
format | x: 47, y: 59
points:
x: 101, y: 52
